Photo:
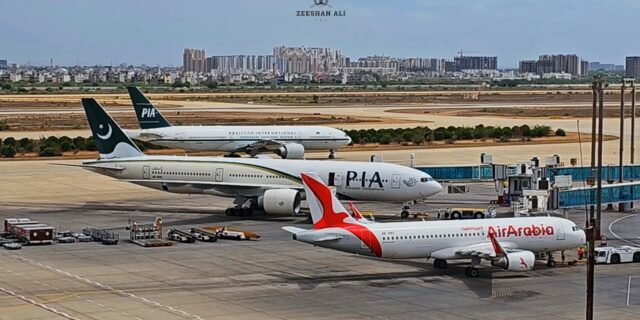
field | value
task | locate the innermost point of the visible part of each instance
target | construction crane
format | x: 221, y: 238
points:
x: 462, y: 52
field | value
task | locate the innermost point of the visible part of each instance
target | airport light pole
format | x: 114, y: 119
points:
x: 592, y: 224
x: 632, y: 85
x: 621, y: 149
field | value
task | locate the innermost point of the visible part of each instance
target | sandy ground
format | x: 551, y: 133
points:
x: 470, y: 155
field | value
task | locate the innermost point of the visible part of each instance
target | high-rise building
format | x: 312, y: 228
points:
x: 475, y: 63
x: 528, y: 66
x: 3, y: 63
x: 307, y: 60
x: 556, y: 63
x: 193, y: 60
x: 632, y: 67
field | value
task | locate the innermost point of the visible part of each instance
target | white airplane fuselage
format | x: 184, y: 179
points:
x: 233, y: 138
x: 439, y: 239
x: 372, y: 181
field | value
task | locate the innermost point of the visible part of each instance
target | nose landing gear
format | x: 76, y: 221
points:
x: 332, y: 154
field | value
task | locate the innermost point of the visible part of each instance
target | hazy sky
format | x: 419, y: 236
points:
x: 156, y: 31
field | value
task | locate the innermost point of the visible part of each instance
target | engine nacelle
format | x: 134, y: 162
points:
x: 280, y: 201
x: 291, y: 151
x: 516, y: 261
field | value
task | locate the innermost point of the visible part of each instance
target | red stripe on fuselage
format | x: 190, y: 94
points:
x: 331, y: 219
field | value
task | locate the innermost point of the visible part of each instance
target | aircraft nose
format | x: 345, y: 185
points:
x: 436, y: 186
x: 583, y: 237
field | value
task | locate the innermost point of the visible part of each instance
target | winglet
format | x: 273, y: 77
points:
x: 499, y: 250
x: 354, y: 210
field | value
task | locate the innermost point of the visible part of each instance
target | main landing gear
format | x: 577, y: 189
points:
x: 332, y: 154
x: 551, y: 262
x: 244, y: 207
x: 405, y: 212
x: 440, y: 263
x: 239, y: 212
x: 471, y: 271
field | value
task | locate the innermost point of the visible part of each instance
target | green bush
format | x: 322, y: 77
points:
x: 8, y: 151
x: 10, y: 141
x: 560, y: 132
x: 50, y: 152
x: 3, y: 125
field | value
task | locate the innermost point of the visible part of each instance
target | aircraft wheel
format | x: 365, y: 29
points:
x: 551, y: 263
x: 440, y: 263
x: 471, y: 272
x: 229, y: 211
x: 332, y: 156
x: 404, y: 214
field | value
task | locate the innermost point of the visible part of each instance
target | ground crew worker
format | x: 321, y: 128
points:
x: 580, y: 253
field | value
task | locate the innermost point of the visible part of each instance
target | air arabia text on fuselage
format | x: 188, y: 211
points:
x: 533, y: 230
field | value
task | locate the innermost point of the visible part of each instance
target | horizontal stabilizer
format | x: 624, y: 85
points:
x: 84, y: 166
x: 294, y: 230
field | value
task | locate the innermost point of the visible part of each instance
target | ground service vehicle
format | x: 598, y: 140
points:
x: 613, y: 255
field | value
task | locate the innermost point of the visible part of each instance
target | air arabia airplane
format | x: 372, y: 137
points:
x: 508, y: 243
x: 289, y: 142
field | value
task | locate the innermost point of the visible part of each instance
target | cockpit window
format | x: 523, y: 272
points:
x: 426, y: 179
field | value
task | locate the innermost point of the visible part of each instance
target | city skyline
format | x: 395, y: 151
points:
x: 89, y: 33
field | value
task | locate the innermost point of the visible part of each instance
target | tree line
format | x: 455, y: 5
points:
x: 53, y: 146
x: 422, y: 135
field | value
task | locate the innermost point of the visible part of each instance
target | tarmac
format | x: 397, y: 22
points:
x: 270, y: 278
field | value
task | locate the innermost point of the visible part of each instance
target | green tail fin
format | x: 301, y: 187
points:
x: 148, y: 116
x: 111, y: 141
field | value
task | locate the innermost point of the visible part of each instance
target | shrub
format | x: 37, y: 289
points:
x: 3, y: 125
x: 50, y: 152
x: 560, y: 132
x: 8, y: 151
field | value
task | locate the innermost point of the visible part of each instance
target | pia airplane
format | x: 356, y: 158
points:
x: 272, y: 185
x: 289, y: 142
x: 508, y: 243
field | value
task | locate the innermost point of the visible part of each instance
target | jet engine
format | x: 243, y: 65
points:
x: 291, y: 151
x: 516, y: 261
x: 280, y: 201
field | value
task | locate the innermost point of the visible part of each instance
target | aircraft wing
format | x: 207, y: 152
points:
x: 483, y: 250
x: 114, y: 168
x: 213, y: 184
x: 262, y: 145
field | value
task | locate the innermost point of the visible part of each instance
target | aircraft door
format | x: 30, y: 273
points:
x: 560, y: 229
x: 219, y: 174
x: 337, y: 180
x: 395, y: 181
x: 146, y: 172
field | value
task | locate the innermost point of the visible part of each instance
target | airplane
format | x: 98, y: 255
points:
x: 272, y: 185
x: 508, y: 243
x: 289, y: 142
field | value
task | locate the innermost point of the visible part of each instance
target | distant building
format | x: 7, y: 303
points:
x: 632, y: 67
x: 556, y: 64
x: 193, y: 60
x: 605, y: 66
x: 3, y: 63
x: 528, y: 66
x: 475, y: 63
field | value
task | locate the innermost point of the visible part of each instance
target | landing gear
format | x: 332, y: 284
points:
x: 471, y: 272
x: 239, y: 212
x: 405, y: 212
x: 232, y: 155
x: 551, y: 262
x: 440, y: 263
x: 332, y: 154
